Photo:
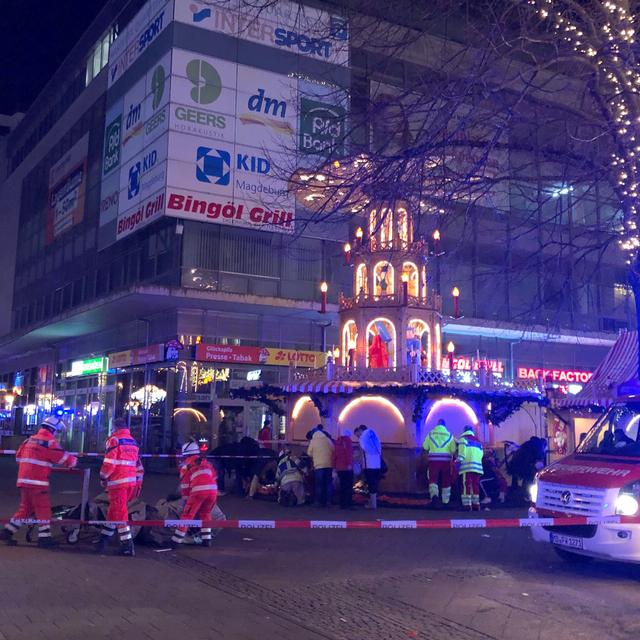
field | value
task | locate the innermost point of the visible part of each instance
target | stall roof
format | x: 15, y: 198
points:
x: 618, y: 366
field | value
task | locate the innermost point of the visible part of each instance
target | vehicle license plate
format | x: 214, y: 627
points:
x: 567, y: 541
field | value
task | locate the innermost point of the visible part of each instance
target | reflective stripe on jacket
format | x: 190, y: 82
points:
x: 470, y: 454
x: 198, y: 476
x: 288, y: 471
x: 439, y: 444
x: 120, y: 466
x: 36, y: 457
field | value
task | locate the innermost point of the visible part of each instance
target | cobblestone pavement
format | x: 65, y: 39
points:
x: 306, y: 585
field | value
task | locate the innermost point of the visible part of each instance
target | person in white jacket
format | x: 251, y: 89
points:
x: 371, y: 461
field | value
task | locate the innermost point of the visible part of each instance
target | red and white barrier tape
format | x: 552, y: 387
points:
x: 456, y: 523
x: 12, y: 452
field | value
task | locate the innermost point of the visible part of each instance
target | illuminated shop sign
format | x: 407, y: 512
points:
x: 463, y: 363
x: 555, y: 375
x: 89, y: 367
x: 259, y: 355
x: 131, y: 357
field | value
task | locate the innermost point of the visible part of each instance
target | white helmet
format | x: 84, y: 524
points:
x: 53, y: 423
x: 190, y: 448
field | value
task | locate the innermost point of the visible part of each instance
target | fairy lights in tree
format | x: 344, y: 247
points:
x: 603, y: 34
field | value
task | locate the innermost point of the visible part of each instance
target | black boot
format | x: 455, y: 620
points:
x: 127, y: 549
x: 47, y: 543
x: 102, y: 544
x: 7, y: 537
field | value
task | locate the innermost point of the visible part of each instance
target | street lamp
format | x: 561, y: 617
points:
x: 347, y: 253
x: 450, y: 350
x: 405, y: 288
x: 324, y: 287
x: 456, y: 302
x: 359, y: 235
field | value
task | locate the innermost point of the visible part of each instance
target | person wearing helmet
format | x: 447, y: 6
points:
x: 470, y: 459
x: 121, y: 473
x: 198, y: 484
x: 36, y: 457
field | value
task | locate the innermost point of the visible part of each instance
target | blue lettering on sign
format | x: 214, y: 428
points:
x: 260, y: 103
x: 150, y: 33
x: 303, y: 43
x: 253, y: 164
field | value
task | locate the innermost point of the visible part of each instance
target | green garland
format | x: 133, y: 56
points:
x: 503, y: 403
x: 268, y: 394
x: 322, y: 410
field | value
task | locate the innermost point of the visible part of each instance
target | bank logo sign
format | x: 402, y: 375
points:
x: 322, y: 128
x: 112, y: 136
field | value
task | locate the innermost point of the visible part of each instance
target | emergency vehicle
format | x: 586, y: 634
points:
x: 601, y: 478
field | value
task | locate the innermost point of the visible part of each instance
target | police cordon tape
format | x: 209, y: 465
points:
x: 456, y: 523
x: 77, y: 454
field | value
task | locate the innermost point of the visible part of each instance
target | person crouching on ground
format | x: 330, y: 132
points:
x: 321, y: 450
x: 198, y: 484
x: 372, y: 461
x: 470, y: 458
x: 36, y: 457
x: 290, y: 480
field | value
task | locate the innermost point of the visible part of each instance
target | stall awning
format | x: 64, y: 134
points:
x: 319, y: 387
x: 618, y: 366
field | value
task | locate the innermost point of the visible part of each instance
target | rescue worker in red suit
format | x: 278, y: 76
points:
x: 36, y: 457
x: 198, y: 484
x: 122, y: 474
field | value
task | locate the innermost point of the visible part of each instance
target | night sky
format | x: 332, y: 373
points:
x: 35, y: 37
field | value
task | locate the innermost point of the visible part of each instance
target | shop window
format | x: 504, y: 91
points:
x: 381, y: 344
x: 383, y: 279
x: 349, y: 343
x: 362, y: 286
x: 410, y: 271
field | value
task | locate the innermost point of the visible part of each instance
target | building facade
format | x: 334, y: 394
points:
x: 162, y: 258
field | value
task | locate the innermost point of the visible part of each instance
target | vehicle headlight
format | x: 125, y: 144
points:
x: 628, y: 500
x: 626, y: 505
x: 533, y: 491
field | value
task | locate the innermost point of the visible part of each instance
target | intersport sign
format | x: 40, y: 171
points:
x: 144, y: 29
x: 281, y: 24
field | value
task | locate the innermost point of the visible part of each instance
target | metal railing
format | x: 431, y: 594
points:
x: 430, y: 301
x: 412, y: 374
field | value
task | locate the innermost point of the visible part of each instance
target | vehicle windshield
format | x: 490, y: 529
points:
x: 615, y: 433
